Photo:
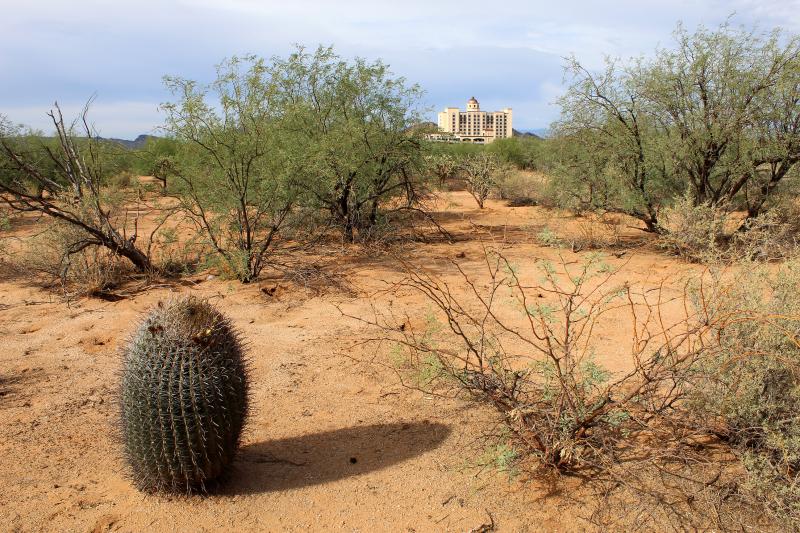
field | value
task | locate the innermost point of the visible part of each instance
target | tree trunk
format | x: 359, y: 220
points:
x: 130, y: 252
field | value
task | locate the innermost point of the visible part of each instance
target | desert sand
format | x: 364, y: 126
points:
x: 335, y: 441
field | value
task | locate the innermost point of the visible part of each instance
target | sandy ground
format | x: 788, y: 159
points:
x: 334, y: 443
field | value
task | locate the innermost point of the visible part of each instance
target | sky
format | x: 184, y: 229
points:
x: 506, y: 53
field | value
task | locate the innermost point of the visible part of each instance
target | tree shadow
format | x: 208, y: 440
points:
x: 319, y: 458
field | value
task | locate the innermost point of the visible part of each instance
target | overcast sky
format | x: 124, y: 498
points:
x: 506, y: 53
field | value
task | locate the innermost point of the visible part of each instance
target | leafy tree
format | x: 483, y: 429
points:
x: 356, y: 121
x: 716, y: 115
x: 525, y: 153
x: 726, y: 102
x: 582, y: 172
x: 442, y: 165
x: 456, y: 150
x: 609, y: 103
x: 481, y: 174
x: 159, y: 158
x: 235, y: 167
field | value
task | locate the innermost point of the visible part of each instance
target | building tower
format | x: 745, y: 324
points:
x: 473, y: 125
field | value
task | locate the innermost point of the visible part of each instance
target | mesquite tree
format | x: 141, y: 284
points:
x: 443, y: 166
x: 158, y: 158
x: 480, y: 173
x: 716, y: 115
x: 235, y: 162
x: 356, y: 121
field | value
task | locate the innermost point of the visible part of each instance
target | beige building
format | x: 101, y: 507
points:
x: 474, y: 125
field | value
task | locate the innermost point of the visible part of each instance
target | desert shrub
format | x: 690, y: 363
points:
x: 773, y: 234
x: 749, y: 392
x: 712, y: 390
x: 62, y: 178
x: 177, y: 254
x: 58, y: 257
x: 6, y: 263
x: 707, y: 234
x: 591, y: 234
x: 695, y: 232
x: 481, y: 174
x: 159, y: 158
x: 524, y: 153
x: 235, y: 165
x: 359, y: 152
x: 442, y: 166
x: 547, y: 237
x: 523, y: 346
x: 715, y: 114
x: 521, y: 188
x: 122, y: 180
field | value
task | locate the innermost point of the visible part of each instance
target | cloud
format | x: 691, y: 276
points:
x: 506, y: 54
x: 109, y: 118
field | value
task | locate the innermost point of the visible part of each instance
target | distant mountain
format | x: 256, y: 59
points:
x: 517, y: 133
x: 135, y: 144
x: 542, y: 133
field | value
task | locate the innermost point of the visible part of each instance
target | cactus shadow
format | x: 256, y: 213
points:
x: 318, y: 458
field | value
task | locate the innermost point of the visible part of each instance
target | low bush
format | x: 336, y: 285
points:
x: 122, y: 180
x: 60, y: 257
x: 701, y: 429
x: 481, y: 174
x: 749, y: 392
x: 707, y: 234
x: 694, y: 232
x: 524, y: 348
x: 521, y: 188
x: 772, y: 235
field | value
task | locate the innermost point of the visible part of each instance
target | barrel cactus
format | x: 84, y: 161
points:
x: 184, y: 397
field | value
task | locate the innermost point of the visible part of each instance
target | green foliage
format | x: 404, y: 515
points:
x: 548, y: 237
x: 292, y: 140
x: 159, y: 158
x: 114, y: 158
x: 64, y: 178
x: 715, y: 115
x: 456, y: 150
x: 184, y: 397
x: 525, y: 153
x: 442, y: 166
x: 694, y: 232
x: 59, y: 257
x: 557, y: 402
x: 429, y: 370
x: 503, y: 457
x: 122, y: 180
x: 364, y: 157
x: 33, y: 147
x: 750, y: 391
x: 235, y: 161
x: 584, y: 176
x: 706, y: 234
x: 522, y: 188
x: 481, y: 173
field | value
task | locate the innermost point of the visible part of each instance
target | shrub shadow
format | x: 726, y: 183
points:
x: 319, y: 458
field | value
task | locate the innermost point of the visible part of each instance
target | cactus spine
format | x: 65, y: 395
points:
x: 184, y: 397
